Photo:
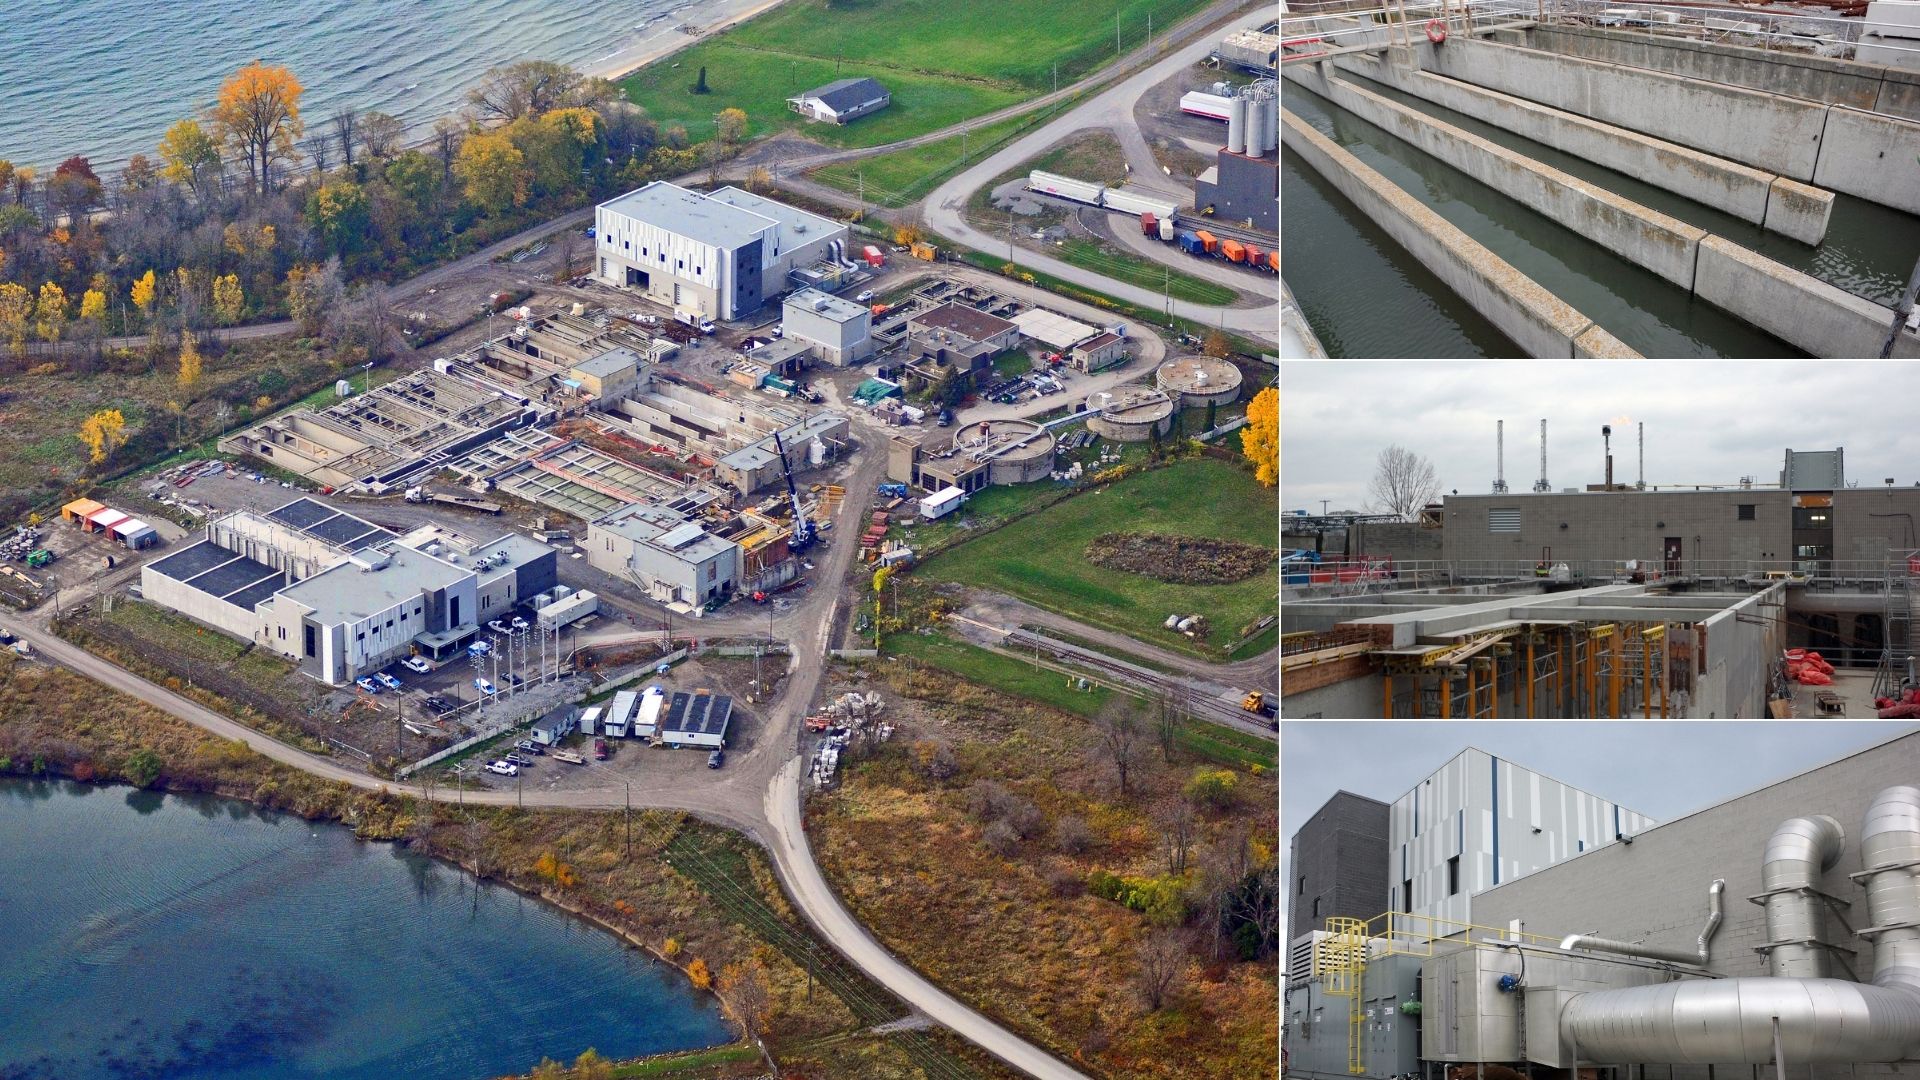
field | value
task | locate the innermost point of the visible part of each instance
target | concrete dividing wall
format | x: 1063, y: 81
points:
x: 1871, y: 156
x: 1835, y: 82
x: 1830, y: 146
x: 1737, y: 189
x: 1824, y: 320
x: 1779, y: 134
x: 1644, y: 237
x: 1541, y: 323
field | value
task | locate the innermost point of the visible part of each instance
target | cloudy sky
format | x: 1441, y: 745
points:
x: 1707, y: 422
x: 1662, y: 769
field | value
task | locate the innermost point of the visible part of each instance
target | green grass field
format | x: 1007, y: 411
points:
x: 1042, y: 558
x: 944, y: 62
x: 899, y: 177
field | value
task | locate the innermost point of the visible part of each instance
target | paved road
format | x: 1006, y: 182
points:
x: 945, y: 208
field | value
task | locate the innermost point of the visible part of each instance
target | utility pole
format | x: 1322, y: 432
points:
x: 1116, y: 32
x: 1149, y: 33
x: 1056, y: 76
x: 628, y: 815
x: 1009, y: 236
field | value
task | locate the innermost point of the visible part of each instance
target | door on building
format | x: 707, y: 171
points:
x: 1673, y: 545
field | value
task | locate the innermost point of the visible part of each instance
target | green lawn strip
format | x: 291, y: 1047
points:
x: 1264, y: 641
x: 1224, y: 744
x: 1041, y: 558
x: 713, y: 860
x: 1001, y: 671
x: 899, y: 177
x: 1130, y: 268
x: 694, y: 1063
x: 1011, y: 363
x: 758, y: 81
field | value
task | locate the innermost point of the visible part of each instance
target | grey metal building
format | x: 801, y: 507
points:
x: 839, y: 331
x: 1338, y: 859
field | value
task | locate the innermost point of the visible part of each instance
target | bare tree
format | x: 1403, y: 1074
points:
x: 380, y: 135
x: 1403, y: 482
x: 531, y: 88
x: 744, y: 988
x: 320, y: 148
x: 346, y: 125
x: 1120, y: 736
x: 1222, y: 871
x: 1072, y: 835
x: 1162, y: 958
x: 1178, y: 829
x: 447, y: 136
x: 1170, y: 709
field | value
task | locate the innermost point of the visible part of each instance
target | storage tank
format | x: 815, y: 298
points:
x: 1199, y: 381
x: 816, y: 453
x: 1266, y: 128
x: 1256, y: 113
x: 1130, y: 415
x: 1237, y: 125
x: 1017, y: 451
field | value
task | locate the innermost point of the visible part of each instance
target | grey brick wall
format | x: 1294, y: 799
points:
x: 1339, y: 858
x: 1655, y: 889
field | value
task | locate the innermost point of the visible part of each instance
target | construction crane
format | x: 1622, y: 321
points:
x: 802, y: 528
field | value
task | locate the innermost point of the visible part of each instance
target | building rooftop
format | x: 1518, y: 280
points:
x: 697, y: 714
x: 1099, y: 342
x: 611, y: 362
x: 351, y: 591
x: 691, y: 214
x: 336, y: 528
x: 843, y: 94
x: 964, y: 321
x: 664, y: 530
x: 1053, y: 328
x: 225, y: 575
x: 794, y: 436
x: 797, y: 226
x: 827, y: 305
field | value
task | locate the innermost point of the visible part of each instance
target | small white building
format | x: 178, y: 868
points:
x: 590, y: 720
x: 941, y: 503
x: 550, y: 730
x: 673, y: 559
x: 698, y: 719
x: 621, y: 713
x: 646, y: 722
x: 842, y: 101
x: 840, y: 332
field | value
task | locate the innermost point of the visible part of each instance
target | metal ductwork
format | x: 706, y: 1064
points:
x: 1821, y: 1020
x: 1657, y: 952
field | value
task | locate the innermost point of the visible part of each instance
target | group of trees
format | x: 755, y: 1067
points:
x: 240, y: 211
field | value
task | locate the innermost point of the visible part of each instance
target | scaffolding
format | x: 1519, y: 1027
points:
x: 1534, y: 671
x: 1896, y: 622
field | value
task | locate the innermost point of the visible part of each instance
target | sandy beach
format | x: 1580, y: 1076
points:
x: 666, y: 35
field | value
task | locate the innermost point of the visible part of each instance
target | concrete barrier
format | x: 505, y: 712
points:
x: 1539, y: 322
x: 1831, y: 146
x: 1823, y: 319
x: 1644, y: 237
x: 1875, y: 87
x: 1740, y: 190
x: 1767, y: 131
x: 1870, y: 156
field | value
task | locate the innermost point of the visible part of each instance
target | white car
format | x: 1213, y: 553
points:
x: 503, y: 768
x: 485, y: 687
x: 865, y: 295
x: 389, y: 681
x: 498, y: 626
x: 479, y: 648
x: 366, y: 683
x: 520, y: 623
x: 417, y: 665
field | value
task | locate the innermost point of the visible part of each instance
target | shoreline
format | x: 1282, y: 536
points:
x: 627, y: 59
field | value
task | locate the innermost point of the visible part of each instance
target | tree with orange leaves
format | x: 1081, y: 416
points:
x: 258, y: 114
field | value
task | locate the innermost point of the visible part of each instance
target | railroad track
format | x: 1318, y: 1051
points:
x: 1203, y: 700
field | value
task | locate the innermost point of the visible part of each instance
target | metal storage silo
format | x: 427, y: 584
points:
x: 1236, y: 125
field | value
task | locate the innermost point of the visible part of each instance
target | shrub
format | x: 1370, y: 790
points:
x: 1072, y: 836
x: 142, y: 767
x: 1162, y: 899
x: 1212, y: 788
x: 1002, y: 839
x: 697, y: 971
x: 672, y: 947
x: 1063, y: 882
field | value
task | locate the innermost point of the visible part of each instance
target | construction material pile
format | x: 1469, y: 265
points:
x: 1179, y: 560
x: 852, y: 716
x: 1905, y: 707
x: 1808, y: 668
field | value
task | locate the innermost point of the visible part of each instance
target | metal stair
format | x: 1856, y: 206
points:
x: 1898, y: 616
x: 1342, y: 962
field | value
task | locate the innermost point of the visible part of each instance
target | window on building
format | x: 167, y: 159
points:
x: 1316, y: 907
x: 360, y: 635
x: 389, y: 624
x: 1303, y: 886
x: 283, y: 633
x: 1746, y: 512
x: 1812, y: 517
x: 1406, y: 895
x: 1453, y: 876
x: 416, y: 609
x: 1503, y: 519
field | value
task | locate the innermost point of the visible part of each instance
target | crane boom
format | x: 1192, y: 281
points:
x: 802, y: 528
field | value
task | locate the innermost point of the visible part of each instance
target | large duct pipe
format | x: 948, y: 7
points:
x: 1822, y: 1021
x: 1798, y: 852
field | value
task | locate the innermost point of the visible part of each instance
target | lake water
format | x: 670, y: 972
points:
x: 174, y: 936
x: 104, y: 78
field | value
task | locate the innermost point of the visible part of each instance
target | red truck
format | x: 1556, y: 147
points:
x: 599, y: 749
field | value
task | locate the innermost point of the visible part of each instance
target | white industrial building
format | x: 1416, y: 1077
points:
x: 340, y: 595
x: 675, y: 560
x: 840, y: 332
x: 1478, y: 822
x: 721, y: 255
x: 698, y: 719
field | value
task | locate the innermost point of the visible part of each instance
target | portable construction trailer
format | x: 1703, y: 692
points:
x: 646, y: 721
x: 1233, y: 251
x: 589, y: 721
x: 619, y: 714
x: 941, y: 503
x: 1208, y: 240
x: 1191, y: 243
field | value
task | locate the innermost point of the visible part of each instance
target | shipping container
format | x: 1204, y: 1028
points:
x: 1208, y: 241
x: 1149, y: 225
x: 1233, y: 251
x: 1128, y: 201
x: 924, y: 252
x: 1200, y: 103
x: 1166, y: 228
x: 1191, y: 243
x: 874, y: 256
x: 1065, y: 187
